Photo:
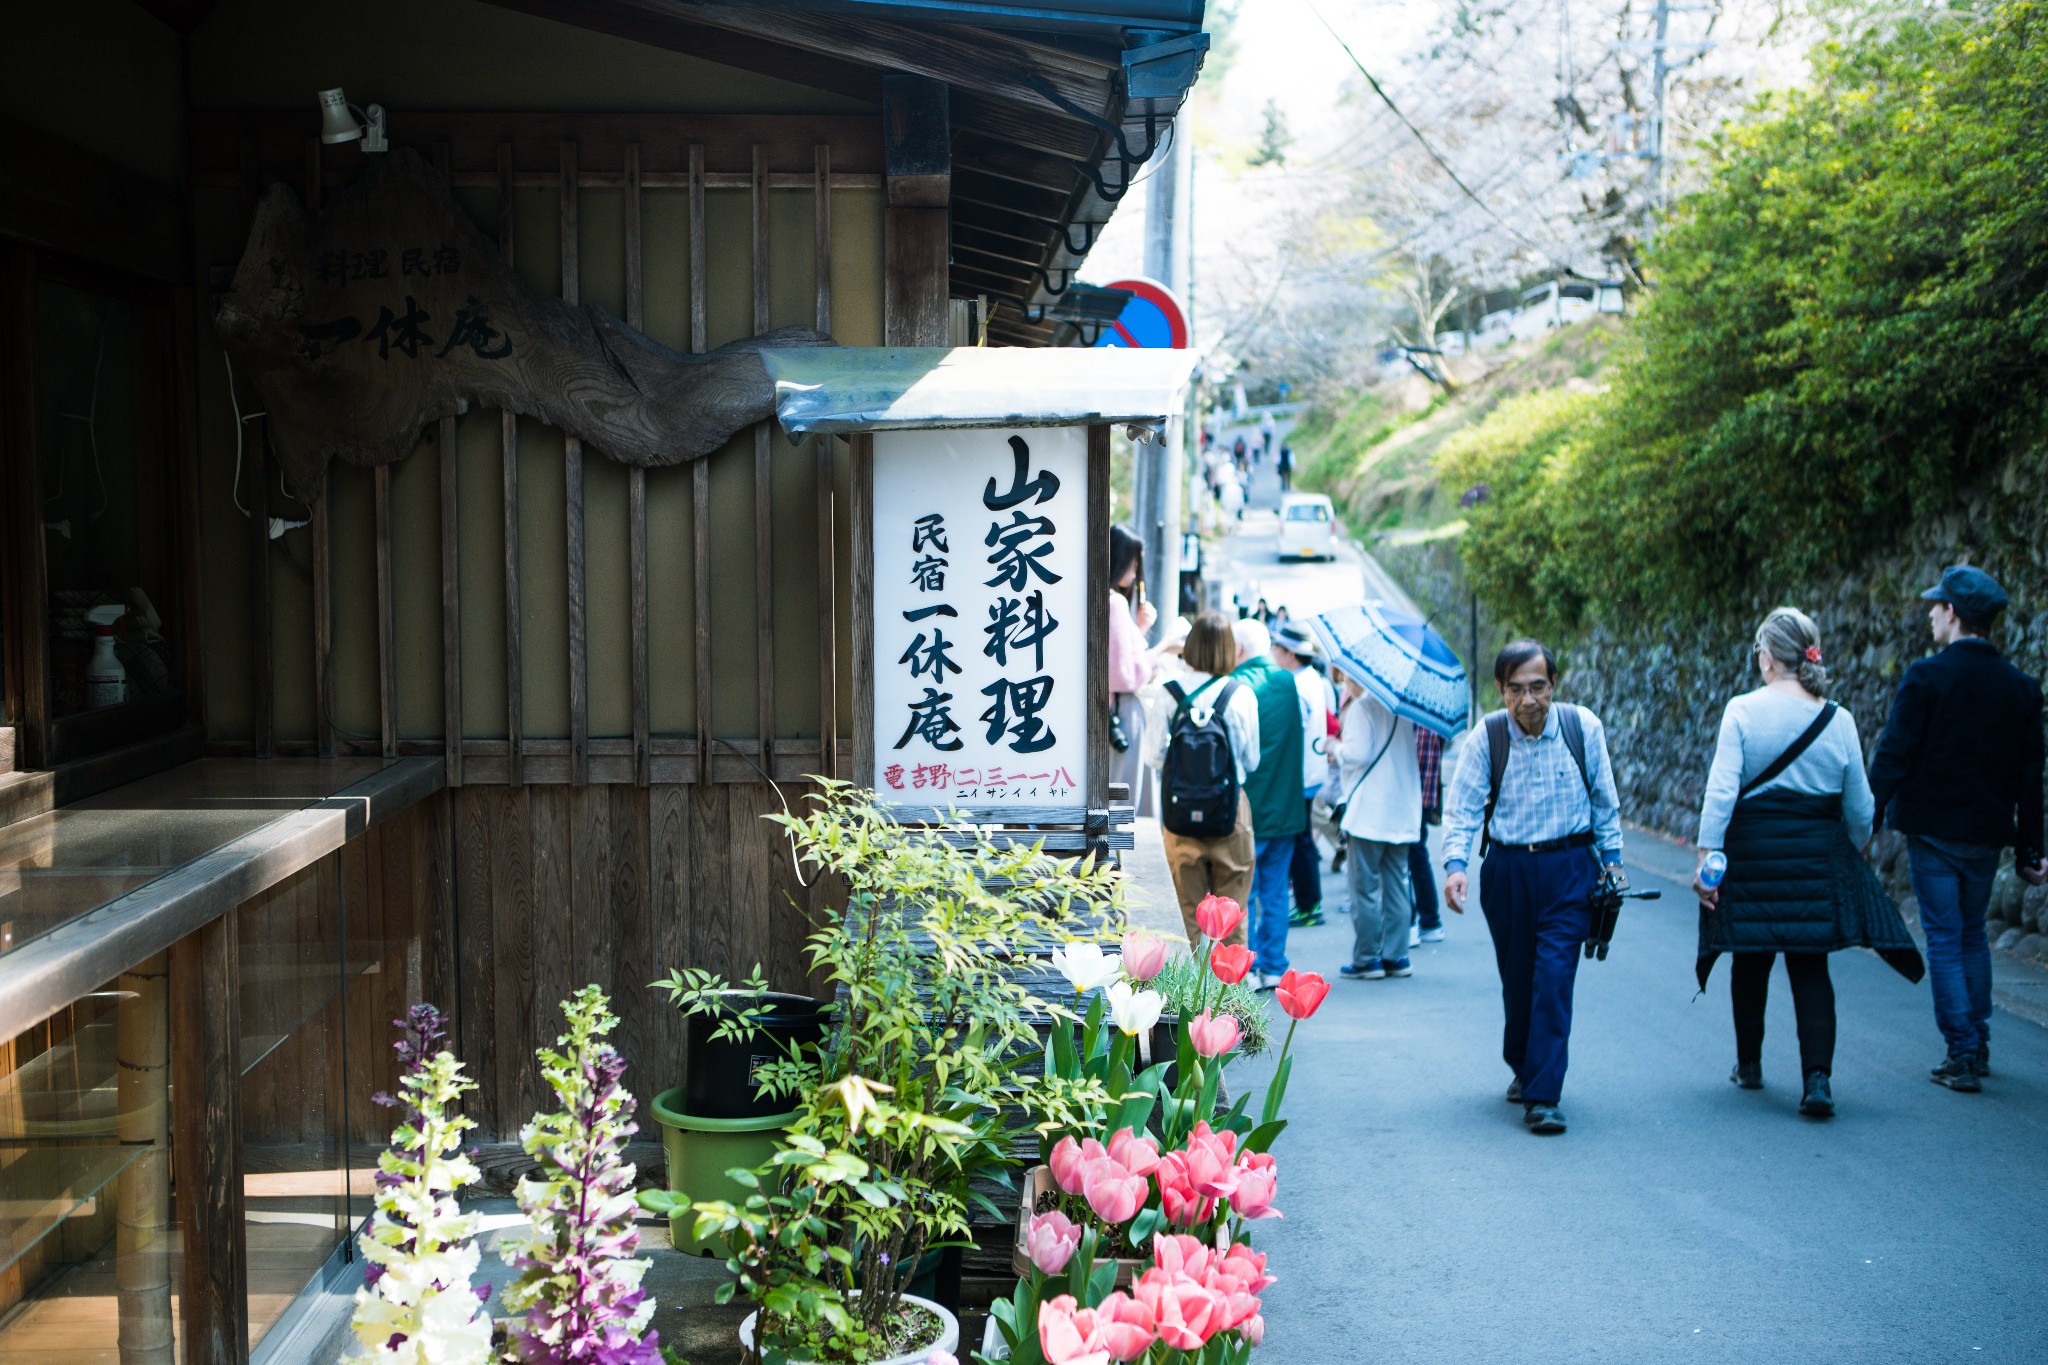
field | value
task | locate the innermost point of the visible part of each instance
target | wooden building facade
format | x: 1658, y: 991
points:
x: 497, y: 719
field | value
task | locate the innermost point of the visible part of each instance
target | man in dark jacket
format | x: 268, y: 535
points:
x: 1958, y: 772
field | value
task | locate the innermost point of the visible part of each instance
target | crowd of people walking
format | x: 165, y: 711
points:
x: 1259, y: 745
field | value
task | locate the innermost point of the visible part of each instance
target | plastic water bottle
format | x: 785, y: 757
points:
x: 1713, y: 869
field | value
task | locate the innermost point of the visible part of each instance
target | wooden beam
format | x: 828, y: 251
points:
x: 387, y: 616
x: 636, y: 496
x: 764, y: 488
x: 828, y: 630
x: 700, y: 482
x: 206, y: 1068
x: 26, y: 592
x: 572, y: 501
x: 508, y: 430
x: 255, y: 440
x: 917, y: 142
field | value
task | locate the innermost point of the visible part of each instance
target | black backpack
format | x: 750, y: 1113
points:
x: 1568, y: 728
x: 1199, y: 778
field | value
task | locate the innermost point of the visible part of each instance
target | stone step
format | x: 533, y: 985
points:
x: 25, y: 794
x: 6, y: 748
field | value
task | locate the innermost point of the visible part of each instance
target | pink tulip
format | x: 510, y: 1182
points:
x: 1144, y: 955
x: 1208, y: 1166
x: 1257, y: 1176
x: 1248, y: 1266
x: 1050, y: 1240
x: 1178, y: 1199
x: 1138, y: 1155
x: 1301, y: 993
x: 942, y: 1358
x: 1254, y: 1330
x: 1113, y: 1192
x: 1218, y: 916
x: 1230, y: 961
x: 1066, y: 1332
x: 1179, y: 1254
x: 1185, y: 1314
x: 1213, y: 1035
x: 1123, y: 1325
x: 1069, y: 1157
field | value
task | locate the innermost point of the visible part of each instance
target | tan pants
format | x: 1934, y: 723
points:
x: 1221, y: 867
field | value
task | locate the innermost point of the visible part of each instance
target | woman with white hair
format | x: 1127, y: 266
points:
x: 1788, y: 805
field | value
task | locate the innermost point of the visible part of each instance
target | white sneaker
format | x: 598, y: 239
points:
x: 1435, y: 935
x: 1267, y: 981
x: 1414, y: 936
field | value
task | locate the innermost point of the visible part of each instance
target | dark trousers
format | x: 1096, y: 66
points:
x: 1813, y: 1005
x: 1305, y: 870
x: 1539, y: 910
x: 1428, y: 912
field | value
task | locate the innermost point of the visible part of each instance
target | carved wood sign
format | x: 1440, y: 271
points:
x: 392, y: 311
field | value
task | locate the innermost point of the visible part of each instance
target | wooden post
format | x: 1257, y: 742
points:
x: 206, y: 1069
x: 143, y: 1236
x: 255, y: 439
x: 700, y: 480
x: 863, y: 545
x: 572, y: 501
x: 387, y: 616
x: 764, y: 495
x: 451, y: 575
x: 828, y: 630
x: 515, y: 684
x: 636, y: 500
x: 323, y: 614
x: 1098, y: 618
x: 917, y: 152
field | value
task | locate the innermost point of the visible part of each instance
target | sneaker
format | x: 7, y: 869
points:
x: 1399, y: 967
x: 1819, y: 1101
x: 1433, y: 934
x: 1306, y: 919
x: 1414, y: 936
x: 1543, y: 1118
x: 1515, y: 1090
x: 1957, y: 1073
x: 1266, y: 981
x: 1371, y: 971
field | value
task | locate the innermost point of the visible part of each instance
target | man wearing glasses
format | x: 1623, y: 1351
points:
x: 1536, y: 788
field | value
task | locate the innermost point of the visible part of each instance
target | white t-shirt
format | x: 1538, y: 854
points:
x: 1316, y: 705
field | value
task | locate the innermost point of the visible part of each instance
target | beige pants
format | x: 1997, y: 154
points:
x: 1221, y: 867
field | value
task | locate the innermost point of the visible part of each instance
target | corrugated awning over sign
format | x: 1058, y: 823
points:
x: 879, y: 388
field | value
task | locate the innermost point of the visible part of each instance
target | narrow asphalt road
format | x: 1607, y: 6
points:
x: 1680, y: 1218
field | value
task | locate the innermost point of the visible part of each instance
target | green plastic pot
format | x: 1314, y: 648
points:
x: 698, y: 1152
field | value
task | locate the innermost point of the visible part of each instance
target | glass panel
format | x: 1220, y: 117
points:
x: 103, y: 453
x: 88, y: 1250
x: 386, y: 919
x: 294, y: 1184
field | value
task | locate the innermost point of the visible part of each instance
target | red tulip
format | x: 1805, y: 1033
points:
x: 1213, y: 1035
x: 1218, y: 916
x: 1301, y: 993
x: 1230, y: 961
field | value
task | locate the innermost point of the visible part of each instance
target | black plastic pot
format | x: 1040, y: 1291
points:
x: 720, y: 1082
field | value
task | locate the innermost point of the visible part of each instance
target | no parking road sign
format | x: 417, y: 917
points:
x: 1152, y: 320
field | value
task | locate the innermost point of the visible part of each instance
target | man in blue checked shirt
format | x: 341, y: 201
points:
x: 1536, y: 785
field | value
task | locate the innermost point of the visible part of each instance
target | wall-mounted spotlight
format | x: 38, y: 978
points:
x: 338, y: 122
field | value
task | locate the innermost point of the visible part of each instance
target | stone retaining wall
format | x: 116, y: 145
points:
x: 1661, y: 690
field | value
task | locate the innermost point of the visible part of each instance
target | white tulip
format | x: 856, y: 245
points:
x: 1086, y: 966
x: 1132, y: 1011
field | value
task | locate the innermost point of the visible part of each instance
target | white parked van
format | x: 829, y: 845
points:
x: 1308, y: 527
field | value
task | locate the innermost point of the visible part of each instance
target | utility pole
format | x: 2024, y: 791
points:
x: 1660, y: 76
x: 1156, y: 492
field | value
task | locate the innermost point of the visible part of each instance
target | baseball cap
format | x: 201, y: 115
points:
x: 1972, y: 592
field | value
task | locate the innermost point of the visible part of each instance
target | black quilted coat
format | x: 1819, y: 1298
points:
x: 1796, y: 884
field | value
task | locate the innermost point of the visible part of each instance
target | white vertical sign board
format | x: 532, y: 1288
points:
x: 981, y: 617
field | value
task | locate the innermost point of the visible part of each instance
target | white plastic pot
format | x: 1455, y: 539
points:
x: 948, y: 1338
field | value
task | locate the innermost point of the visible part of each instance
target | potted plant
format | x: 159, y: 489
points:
x: 917, y: 1086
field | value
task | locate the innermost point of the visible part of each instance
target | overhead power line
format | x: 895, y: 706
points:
x: 1435, y: 155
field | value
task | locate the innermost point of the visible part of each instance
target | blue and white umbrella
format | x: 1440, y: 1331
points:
x: 1399, y: 658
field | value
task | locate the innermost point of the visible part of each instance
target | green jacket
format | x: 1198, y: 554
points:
x: 1278, y: 812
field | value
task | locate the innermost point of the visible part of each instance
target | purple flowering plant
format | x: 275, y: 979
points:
x: 578, y: 1285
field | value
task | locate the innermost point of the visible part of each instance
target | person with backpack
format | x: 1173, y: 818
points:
x: 1381, y: 803
x: 1787, y: 805
x: 1535, y: 789
x: 1204, y: 752
x: 1278, y: 812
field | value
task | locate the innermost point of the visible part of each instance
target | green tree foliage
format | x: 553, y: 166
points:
x: 1851, y: 320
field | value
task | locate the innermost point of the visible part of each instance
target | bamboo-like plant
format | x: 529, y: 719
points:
x: 578, y: 1284
x: 417, y: 1304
